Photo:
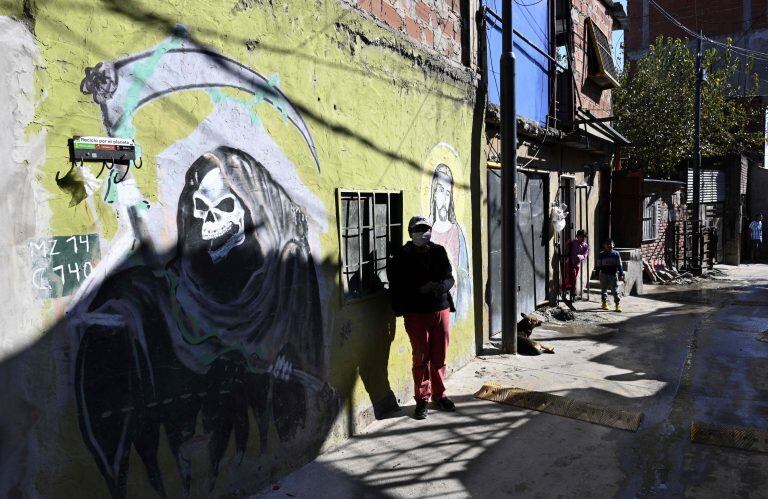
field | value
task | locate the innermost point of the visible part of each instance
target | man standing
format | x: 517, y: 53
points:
x: 420, y: 279
x: 756, y: 236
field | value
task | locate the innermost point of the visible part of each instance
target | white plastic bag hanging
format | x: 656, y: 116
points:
x: 558, y: 215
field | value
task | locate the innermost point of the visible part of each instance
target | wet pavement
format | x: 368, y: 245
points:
x: 677, y: 354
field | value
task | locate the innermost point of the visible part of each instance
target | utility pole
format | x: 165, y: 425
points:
x: 697, y: 156
x: 508, y: 189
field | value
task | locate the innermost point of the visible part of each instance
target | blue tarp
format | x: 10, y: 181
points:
x: 531, y: 19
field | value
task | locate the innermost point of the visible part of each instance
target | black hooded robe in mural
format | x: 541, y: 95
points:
x: 232, y: 324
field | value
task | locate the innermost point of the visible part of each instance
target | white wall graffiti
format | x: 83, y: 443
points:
x: 26, y: 217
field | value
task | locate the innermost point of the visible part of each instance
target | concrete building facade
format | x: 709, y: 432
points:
x: 566, y: 148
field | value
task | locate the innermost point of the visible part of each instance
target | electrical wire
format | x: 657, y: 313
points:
x: 696, y: 14
x: 542, y: 32
x: 493, y: 71
x: 754, y: 54
x: 528, y: 4
x: 541, y: 146
x: 491, y: 58
x: 751, y: 20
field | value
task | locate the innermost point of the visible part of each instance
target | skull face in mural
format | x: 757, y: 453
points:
x: 221, y: 213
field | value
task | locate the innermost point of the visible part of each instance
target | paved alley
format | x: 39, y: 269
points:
x: 677, y: 354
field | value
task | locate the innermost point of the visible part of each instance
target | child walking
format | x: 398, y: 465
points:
x: 610, y: 269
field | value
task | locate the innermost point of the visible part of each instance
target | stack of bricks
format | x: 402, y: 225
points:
x: 592, y: 98
x: 435, y: 24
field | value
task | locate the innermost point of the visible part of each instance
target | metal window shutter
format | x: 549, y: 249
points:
x: 712, y: 186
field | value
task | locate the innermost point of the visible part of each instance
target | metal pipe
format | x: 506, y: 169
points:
x: 589, y: 231
x: 508, y: 187
x: 697, y: 156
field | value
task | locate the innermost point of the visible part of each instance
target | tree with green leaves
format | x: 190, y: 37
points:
x: 655, y: 107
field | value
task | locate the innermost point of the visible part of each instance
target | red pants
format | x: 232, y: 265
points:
x: 429, y: 335
x: 571, y: 275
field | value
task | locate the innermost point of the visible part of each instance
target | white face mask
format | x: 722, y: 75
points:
x: 421, y: 238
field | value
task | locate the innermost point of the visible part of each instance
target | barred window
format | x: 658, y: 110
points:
x: 371, y: 229
x: 650, y: 218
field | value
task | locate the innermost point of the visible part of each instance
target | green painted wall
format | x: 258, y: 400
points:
x: 382, y: 115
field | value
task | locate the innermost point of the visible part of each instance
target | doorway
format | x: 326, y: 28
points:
x: 531, y: 245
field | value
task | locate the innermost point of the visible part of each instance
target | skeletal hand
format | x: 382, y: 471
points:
x: 281, y: 369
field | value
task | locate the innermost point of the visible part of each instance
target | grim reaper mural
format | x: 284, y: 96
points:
x: 229, y: 326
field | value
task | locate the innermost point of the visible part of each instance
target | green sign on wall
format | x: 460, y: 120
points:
x: 61, y: 263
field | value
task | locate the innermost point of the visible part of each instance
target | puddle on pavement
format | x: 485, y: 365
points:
x: 758, y: 374
x: 749, y: 312
x: 741, y: 324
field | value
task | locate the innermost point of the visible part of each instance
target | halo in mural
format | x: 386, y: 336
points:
x: 441, y: 188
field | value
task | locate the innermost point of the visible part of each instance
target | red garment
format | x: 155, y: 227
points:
x: 576, y: 252
x: 429, y: 335
x: 571, y: 275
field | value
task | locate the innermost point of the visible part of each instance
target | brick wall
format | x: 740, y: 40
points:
x: 714, y: 17
x: 592, y: 97
x: 655, y: 250
x: 435, y: 24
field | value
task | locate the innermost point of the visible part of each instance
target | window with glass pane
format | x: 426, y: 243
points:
x: 650, y: 218
x: 371, y: 226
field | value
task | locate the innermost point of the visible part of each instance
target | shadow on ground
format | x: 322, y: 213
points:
x: 651, y: 359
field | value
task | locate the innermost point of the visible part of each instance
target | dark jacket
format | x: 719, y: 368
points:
x: 609, y: 263
x: 410, y: 269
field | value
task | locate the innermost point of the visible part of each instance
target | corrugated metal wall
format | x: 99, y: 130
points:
x: 712, y: 186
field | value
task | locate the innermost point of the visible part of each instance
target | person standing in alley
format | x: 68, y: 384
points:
x: 420, y: 278
x: 611, y: 271
x: 756, y: 236
x: 576, y: 250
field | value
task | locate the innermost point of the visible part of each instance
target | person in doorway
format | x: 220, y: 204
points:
x: 756, y: 236
x: 576, y: 250
x: 420, y: 280
x: 610, y: 271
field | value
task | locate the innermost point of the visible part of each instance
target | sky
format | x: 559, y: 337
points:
x: 618, y: 39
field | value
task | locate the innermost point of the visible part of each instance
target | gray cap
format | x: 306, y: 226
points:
x: 418, y: 220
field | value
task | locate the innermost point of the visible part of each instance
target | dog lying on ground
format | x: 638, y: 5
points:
x: 525, y: 345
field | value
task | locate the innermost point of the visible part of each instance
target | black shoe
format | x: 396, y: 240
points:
x: 445, y: 404
x: 421, y: 410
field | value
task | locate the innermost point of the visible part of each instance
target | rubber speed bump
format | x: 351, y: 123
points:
x: 737, y: 437
x: 560, y: 406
